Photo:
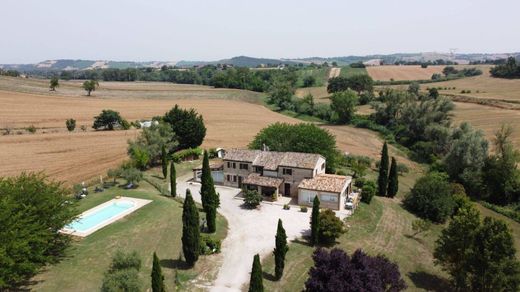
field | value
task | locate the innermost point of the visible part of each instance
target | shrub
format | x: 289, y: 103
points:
x: 125, y: 125
x: 83, y: 128
x: 359, y: 182
x: 70, y: 124
x: 123, y: 274
x: 368, y: 191
x: 31, y: 129
x: 331, y: 227
x: 209, y: 245
x: 252, y: 199
x: 402, y: 168
x: 286, y: 207
x: 303, y: 209
x: 181, y: 155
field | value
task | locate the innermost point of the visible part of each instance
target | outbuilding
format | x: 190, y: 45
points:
x: 332, y: 190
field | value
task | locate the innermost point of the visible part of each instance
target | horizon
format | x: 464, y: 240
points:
x: 208, y: 31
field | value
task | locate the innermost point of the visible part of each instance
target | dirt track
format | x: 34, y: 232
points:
x: 334, y: 72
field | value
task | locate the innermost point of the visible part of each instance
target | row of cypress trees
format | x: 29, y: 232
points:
x: 387, y: 182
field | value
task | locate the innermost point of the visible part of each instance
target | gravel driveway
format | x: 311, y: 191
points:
x: 250, y: 232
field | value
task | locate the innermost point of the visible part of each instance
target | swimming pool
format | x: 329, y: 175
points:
x: 102, y: 215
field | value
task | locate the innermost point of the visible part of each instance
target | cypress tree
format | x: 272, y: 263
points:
x: 157, y: 275
x: 164, y: 162
x: 393, y: 180
x: 190, y: 230
x: 280, y: 250
x: 315, y: 221
x: 173, y: 179
x: 256, y: 282
x: 206, y: 182
x: 211, y: 219
x: 382, y: 179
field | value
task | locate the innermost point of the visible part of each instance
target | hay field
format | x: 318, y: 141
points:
x: 488, y: 119
x: 387, y: 72
x: 320, y: 93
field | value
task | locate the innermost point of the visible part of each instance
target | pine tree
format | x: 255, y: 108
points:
x: 157, y: 275
x: 173, y: 179
x: 256, y: 282
x: 190, y: 230
x: 280, y: 250
x: 382, y: 179
x: 393, y: 179
x: 315, y: 221
x: 164, y: 162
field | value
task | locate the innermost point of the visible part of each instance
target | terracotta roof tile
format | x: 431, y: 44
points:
x: 264, y: 181
x: 271, y: 160
x: 326, y: 183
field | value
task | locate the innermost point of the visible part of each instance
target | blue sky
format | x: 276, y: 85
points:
x: 35, y: 30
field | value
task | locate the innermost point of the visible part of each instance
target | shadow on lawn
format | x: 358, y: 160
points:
x: 269, y: 276
x: 430, y: 282
x: 176, y: 264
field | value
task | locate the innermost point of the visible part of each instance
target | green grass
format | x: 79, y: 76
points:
x: 154, y: 227
x: 347, y: 71
x: 513, y: 225
x: 321, y: 75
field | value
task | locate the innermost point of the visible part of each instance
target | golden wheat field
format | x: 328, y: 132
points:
x: 78, y: 156
x: 408, y: 72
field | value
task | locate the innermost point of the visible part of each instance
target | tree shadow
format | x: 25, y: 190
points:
x: 157, y: 176
x: 430, y: 282
x: 176, y: 264
x: 419, y: 240
x: 304, y: 242
x: 268, y: 276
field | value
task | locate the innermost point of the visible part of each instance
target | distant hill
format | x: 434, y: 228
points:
x: 252, y: 62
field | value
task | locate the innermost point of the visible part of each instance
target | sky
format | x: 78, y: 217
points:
x: 170, y: 30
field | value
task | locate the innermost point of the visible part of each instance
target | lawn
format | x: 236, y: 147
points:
x: 155, y: 227
x: 347, y: 71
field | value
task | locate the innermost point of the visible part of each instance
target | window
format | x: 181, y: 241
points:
x: 234, y: 165
x: 323, y: 166
x: 244, y: 166
x: 329, y: 198
x: 228, y: 177
x: 229, y: 164
x: 258, y: 169
x: 234, y: 178
x: 287, y: 171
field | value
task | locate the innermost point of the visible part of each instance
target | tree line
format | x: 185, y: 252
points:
x: 509, y: 69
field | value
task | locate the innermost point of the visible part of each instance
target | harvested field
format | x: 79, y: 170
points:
x: 387, y: 72
x: 320, y: 93
x: 488, y: 119
x: 81, y: 155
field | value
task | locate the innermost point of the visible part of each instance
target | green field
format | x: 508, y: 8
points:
x: 347, y: 71
x: 321, y: 75
x: 155, y: 227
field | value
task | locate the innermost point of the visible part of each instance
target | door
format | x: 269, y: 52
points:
x: 240, y: 182
x: 287, y: 190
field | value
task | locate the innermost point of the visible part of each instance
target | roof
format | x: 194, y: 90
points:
x: 264, y: 181
x: 271, y: 160
x: 326, y: 183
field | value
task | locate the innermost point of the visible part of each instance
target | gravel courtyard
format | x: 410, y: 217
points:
x: 250, y: 232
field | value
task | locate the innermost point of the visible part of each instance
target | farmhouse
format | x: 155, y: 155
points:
x: 297, y: 175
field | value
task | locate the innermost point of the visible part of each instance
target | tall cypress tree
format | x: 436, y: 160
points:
x: 382, y: 179
x: 190, y: 230
x: 315, y: 221
x: 164, y: 161
x: 280, y: 250
x: 173, y: 179
x: 206, y: 182
x: 157, y: 275
x: 393, y: 180
x: 256, y: 283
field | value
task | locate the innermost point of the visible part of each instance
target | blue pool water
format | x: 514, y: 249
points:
x: 99, y: 216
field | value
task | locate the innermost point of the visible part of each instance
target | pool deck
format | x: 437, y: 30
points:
x: 138, y: 203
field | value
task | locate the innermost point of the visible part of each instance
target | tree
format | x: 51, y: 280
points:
x: 54, y: 83
x: 466, y: 158
x: 132, y: 175
x: 190, y: 230
x: 393, y: 179
x: 70, y: 124
x: 151, y: 141
x: 433, y: 93
x: 90, y: 85
x: 157, y: 275
x: 358, y: 83
x: 309, y: 81
x: 343, y: 104
x: 107, y: 120
x: 187, y: 125
x: 315, y: 221
x: 331, y: 227
x: 449, y: 70
x: 281, y: 93
x: 164, y: 161
x: 500, y: 172
x: 33, y: 210
x: 252, y: 199
x: 306, y: 138
x: 420, y: 226
x: 209, y: 196
x: 336, y: 271
x: 414, y: 88
x: 256, y: 282
x: 123, y: 274
x: 280, y: 250
x: 173, y: 179
x: 478, y: 256
x: 431, y: 197
x: 382, y: 179
x: 368, y: 191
